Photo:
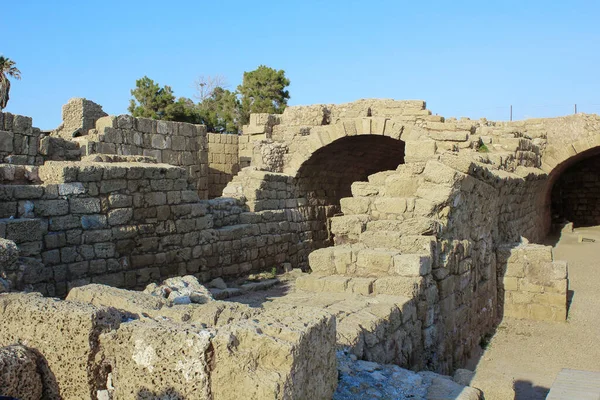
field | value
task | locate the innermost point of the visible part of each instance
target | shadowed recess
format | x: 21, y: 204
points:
x: 576, y: 190
x: 328, y: 174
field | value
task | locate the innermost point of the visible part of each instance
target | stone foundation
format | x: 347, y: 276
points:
x: 193, y: 351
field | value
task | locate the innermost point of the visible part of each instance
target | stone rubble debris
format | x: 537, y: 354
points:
x: 367, y: 380
x: 181, y: 290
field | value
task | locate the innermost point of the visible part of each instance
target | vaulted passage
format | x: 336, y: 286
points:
x: 327, y: 176
x: 576, y: 191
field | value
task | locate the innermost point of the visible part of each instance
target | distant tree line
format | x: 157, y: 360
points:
x: 221, y: 110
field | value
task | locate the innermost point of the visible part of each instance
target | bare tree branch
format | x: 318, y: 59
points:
x: 205, y: 85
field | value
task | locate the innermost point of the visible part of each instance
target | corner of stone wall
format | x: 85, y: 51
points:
x: 535, y: 286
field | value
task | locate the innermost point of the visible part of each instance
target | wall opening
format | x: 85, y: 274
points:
x: 575, y: 193
x: 327, y: 176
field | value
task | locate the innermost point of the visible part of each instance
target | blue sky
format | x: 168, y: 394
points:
x: 465, y: 58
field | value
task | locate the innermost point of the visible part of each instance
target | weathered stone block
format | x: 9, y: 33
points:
x: 412, y: 264
x: 72, y: 358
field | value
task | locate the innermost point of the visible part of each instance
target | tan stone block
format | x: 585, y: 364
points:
x: 374, y: 260
x: 411, y: 265
x: 450, y: 136
x: 362, y: 286
x: 401, y: 186
x: 557, y: 286
x: 553, y: 299
x: 342, y: 259
x: 511, y: 283
x: 321, y: 260
x: 381, y: 239
x: 349, y: 224
x: 355, y: 205
x: 540, y: 312
x: 419, y: 150
x: 517, y: 311
x: 398, y: 286
x: 310, y: 283
x: 515, y: 269
x: 363, y: 189
x: 390, y: 205
x: 335, y: 284
x: 521, y: 297
x: 527, y: 286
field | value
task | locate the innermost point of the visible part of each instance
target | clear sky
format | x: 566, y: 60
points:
x: 465, y: 58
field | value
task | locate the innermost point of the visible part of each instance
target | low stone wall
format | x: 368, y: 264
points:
x: 223, y: 162
x: 174, y: 143
x: 193, y: 351
x: 129, y: 224
x: 534, y: 286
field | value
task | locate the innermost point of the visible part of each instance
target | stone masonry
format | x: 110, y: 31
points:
x: 426, y: 231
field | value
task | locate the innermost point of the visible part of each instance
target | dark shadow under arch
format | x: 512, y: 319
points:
x: 573, y: 190
x: 328, y: 174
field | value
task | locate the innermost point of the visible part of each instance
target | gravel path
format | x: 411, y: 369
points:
x: 524, y: 357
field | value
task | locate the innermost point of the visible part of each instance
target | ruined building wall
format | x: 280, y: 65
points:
x: 174, y: 143
x: 79, y: 116
x: 223, y: 161
x: 129, y: 224
x: 19, y: 140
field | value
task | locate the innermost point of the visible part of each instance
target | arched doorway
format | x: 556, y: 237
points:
x: 575, y: 190
x: 327, y: 176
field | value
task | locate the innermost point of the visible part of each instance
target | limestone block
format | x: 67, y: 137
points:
x: 374, y: 261
x: 398, y: 286
x: 152, y: 357
x: 349, y: 224
x: 19, y: 376
x: 390, y: 205
x: 363, y: 286
x: 412, y: 264
x: 450, y: 136
x: 355, y: 205
x: 41, y: 323
x: 322, y: 261
x: 6, y: 141
x: 310, y: 283
x: 271, y: 337
x: 335, y: 284
x: 401, y: 186
x: 125, y: 300
x: 381, y: 239
x: 342, y: 257
x: 419, y: 150
x: 363, y: 189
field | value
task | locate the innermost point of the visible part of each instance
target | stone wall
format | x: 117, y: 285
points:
x: 279, y: 352
x: 429, y: 232
x: 129, y: 224
x: 19, y: 140
x: 534, y: 286
x: 223, y: 162
x: 576, y: 194
x: 174, y: 143
x: 79, y: 116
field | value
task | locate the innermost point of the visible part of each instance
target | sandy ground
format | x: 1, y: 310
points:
x: 524, y: 357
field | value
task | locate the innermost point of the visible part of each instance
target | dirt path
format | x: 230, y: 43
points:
x: 526, y: 356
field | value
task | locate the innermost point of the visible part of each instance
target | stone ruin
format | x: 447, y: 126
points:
x: 416, y: 235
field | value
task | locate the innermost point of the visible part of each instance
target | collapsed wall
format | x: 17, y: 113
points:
x: 194, y: 351
x: 433, y: 236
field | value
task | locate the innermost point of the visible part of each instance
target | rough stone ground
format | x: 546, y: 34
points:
x: 527, y: 355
